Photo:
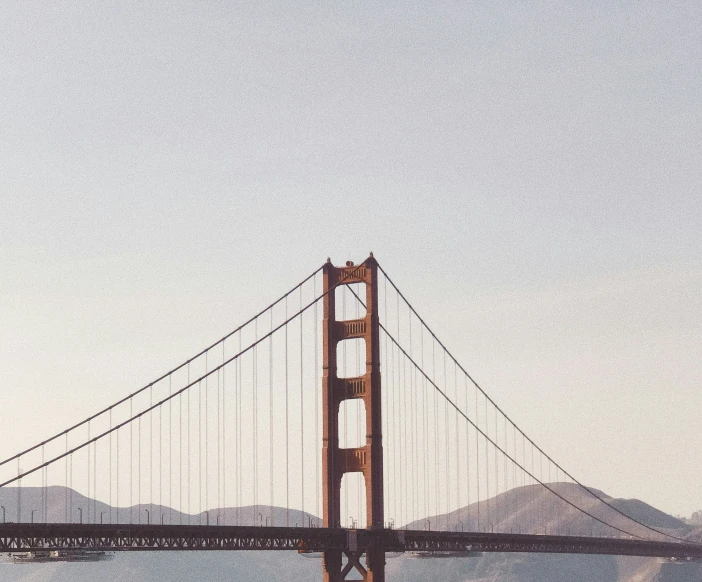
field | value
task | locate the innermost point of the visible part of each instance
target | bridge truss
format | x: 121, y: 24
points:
x: 123, y: 537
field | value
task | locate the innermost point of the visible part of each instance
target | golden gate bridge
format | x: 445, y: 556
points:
x: 332, y: 421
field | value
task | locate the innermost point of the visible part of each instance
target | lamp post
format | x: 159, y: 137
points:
x: 101, y: 514
x: 80, y: 510
x: 207, y: 516
x: 148, y: 516
x: 32, y: 519
x: 3, y: 513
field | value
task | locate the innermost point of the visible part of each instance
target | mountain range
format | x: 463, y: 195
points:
x: 522, y: 507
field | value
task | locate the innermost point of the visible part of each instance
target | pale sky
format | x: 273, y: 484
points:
x: 528, y: 173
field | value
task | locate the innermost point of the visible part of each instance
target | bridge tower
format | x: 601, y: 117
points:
x: 367, y: 459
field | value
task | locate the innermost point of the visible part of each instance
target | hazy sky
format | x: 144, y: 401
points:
x: 530, y: 174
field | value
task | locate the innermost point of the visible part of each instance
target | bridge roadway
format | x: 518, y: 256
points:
x: 22, y: 537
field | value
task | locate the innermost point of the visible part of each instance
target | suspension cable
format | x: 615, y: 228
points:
x: 180, y: 366
x: 497, y: 447
x: 488, y: 439
x: 190, y: 384
x: 588, y: 490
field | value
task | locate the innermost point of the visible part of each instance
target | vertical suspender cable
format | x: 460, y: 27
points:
x: 224, y: 437
x: 160, y: 456
x: 199, y: 446
x: 487, y: 467
x: 222, y: 434
x: 397, y: 455
x: 318, y: 508
x: 401, y: 453
x: 139, y: 470
x: 207, y: 435
x: 180, y: 457
x: 170, y: 450
x: 435, y: 409
x: 302, y: 413
x: 255, y: 421
x: 457, y: 441
x: 187, y: 451
x: 151, y: 447
x: 19, y: 491
x: 413, y: 480
x: 117, y: 480
x: 405, y: 477
x: 43, y: 489
x: 541, y: 505
x: 526, y: 480
x: 110, y: 470
x: 504, y: 489
x: 514, y: 471
x: 131, y: 462
x: 240, y: 444
x: 477, y: 457
x: 468, y: 472
x: 433, y: 434
x: 497, y: 472
x: 95, y: 481
x: 270, y: 416
x: 535, y: 516
x: 88, y: 455
x: 425, y: 490
x: 70, y: 480
x: 237, y: 434
x: 446, y: 429
x: 287, y: 425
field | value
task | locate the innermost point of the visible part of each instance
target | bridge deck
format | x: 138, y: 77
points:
x: 21, y: 537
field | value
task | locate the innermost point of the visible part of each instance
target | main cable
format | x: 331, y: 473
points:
x: 494, y: 444
x: 190, y: 384
x: 162, y: 377
x: 478, y: 387
x: 488, y: 439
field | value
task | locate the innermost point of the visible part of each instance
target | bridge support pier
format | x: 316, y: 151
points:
x: 375, y: 561
x: 331, y: 564
x: 336, y: 571
x: 367, y: 459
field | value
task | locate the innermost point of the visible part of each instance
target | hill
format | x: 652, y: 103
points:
x: 519, y: 507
